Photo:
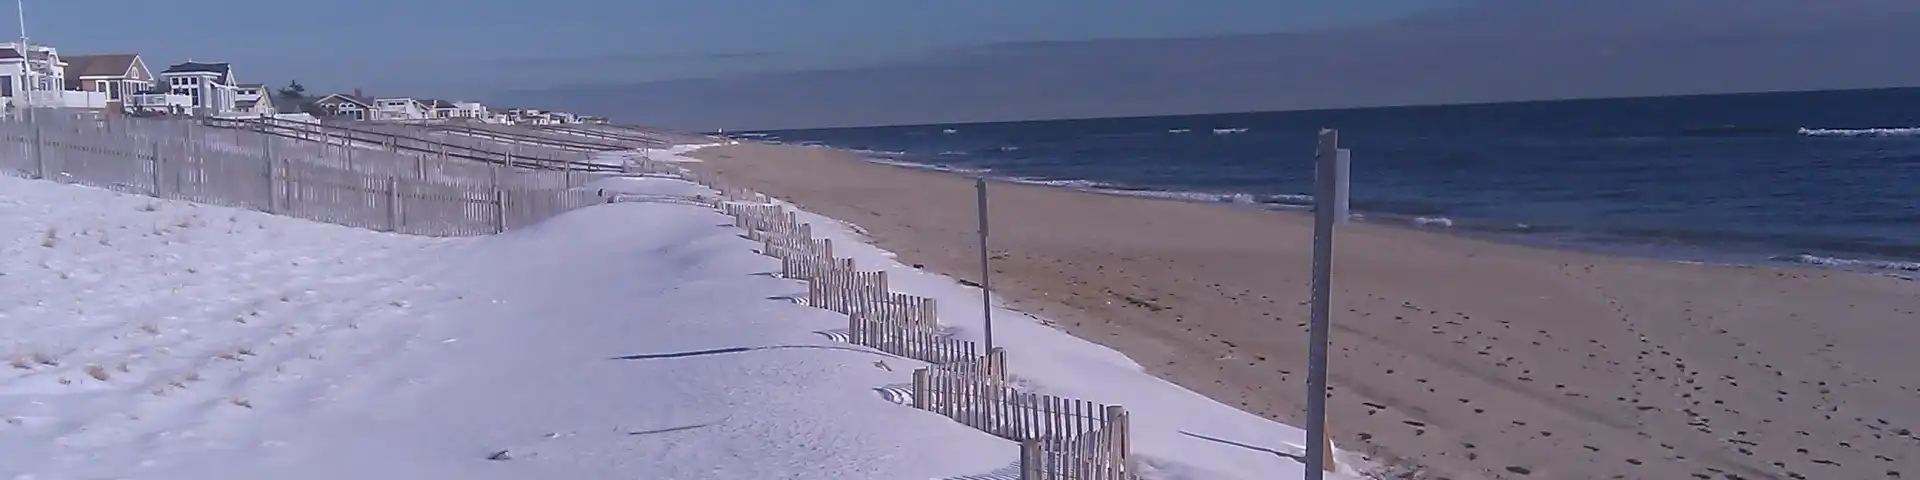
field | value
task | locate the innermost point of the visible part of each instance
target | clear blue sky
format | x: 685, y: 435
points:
x: 459, y: 48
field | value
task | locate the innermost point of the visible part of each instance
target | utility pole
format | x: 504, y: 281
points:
x: 26, y: 58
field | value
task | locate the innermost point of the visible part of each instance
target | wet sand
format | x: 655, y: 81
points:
x: 1475, y: 359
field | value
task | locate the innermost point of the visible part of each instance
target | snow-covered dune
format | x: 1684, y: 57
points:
x: 642, y: 339
x: 155, y: 339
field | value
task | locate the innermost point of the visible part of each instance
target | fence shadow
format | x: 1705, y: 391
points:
x: 722, y: 351
x: 1295, y: 454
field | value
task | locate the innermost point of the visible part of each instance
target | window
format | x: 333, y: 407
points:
x: 113, y: 90
x: 6, y: 85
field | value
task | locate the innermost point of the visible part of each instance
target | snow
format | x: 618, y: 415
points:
x: 1177, y: 434
x: 160, y: 339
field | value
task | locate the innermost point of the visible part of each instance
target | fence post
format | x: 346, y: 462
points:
x: 500, y: 200
x: 393, y: 204
x: 920, y: 392
x: 420, y: 167
x: 1030, y: 460
x: 273, y: 198
x: 1326, y: 179
x: 996, y: 367
x: 39, y: 149
x: 157, y: 165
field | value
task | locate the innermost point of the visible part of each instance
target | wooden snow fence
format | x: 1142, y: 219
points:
x: 1060, y: 438
x: 648, y: 166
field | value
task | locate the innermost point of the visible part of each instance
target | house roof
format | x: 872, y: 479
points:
x: 10, y: 52
x: 102, y: 65
x: 219, y: 68
x: 348, y: 97
x: 261, y: 86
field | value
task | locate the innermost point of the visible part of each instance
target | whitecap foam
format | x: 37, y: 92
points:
x: 933, y: 167
x: 1228, y: 131
x: 1861, y: 132
x: 1433, y: 221
x: 1811, y: 259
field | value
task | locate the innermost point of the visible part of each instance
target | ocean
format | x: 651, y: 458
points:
x: 1822, y: 178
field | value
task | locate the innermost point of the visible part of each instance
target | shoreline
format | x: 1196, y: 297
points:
x: 1477, y: 359
x: 1730, y: 252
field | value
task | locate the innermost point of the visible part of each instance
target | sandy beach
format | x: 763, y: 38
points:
x: 1472, y: 358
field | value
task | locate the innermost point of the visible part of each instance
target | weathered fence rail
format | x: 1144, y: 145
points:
x: 377, y: 190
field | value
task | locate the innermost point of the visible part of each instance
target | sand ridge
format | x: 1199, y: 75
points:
x: 1473, y: 358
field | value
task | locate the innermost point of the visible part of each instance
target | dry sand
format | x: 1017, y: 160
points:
x: 1475, y: 359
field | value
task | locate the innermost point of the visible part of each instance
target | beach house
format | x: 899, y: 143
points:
x: 35, y: 75
x: 399, y: 109
x: 209, y: 86
x: 346, y: 106
x: 254, y: 100
x: 116, y: 76
x: 473, y: 110
x: 441, y: 109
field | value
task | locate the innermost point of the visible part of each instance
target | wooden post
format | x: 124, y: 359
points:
x: 157, y: 165
x: 1326, y: 172
x: 39, y: 151
x: 273, y: 199
x: 920, y: 390
x: 996, y: 364
x: 1031, y: 460
x: 393, y: 204
x: 500, y: 200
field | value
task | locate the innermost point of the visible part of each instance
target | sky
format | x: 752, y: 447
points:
x: 472, y: 47
x: 743, y: 64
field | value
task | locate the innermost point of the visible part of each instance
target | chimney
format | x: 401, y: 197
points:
x: 357, y: 94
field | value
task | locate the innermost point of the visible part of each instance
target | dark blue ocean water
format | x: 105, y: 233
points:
x: 1829, y: 178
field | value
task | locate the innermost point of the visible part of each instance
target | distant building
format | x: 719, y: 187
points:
x: 210, y: 86
x: 441, y: 109
x: 254, y: 100
x: 399, y: 109
x: 115, y: 75
x: 35, y: 75
x: 473, y: 110
x: 345, y: 106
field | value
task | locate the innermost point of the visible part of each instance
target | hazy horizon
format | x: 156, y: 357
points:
x: 1489, y: 51
x: 1308, y: 110
x: 759, y: 64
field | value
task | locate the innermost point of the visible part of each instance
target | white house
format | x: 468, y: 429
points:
x: 36, y: 76
x: 441, y: 109
x: 341, y: 105
x: 115, y: 75
x: 159, y: 100
x: 399, y: 109
x: 210, y: 86
x: 473, y: 110
x: 253, y: 100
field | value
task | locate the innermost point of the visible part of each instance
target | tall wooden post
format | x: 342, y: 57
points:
x: 1326, y: 189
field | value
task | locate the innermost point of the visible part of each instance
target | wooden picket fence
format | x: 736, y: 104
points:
x: 1060, y: 438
